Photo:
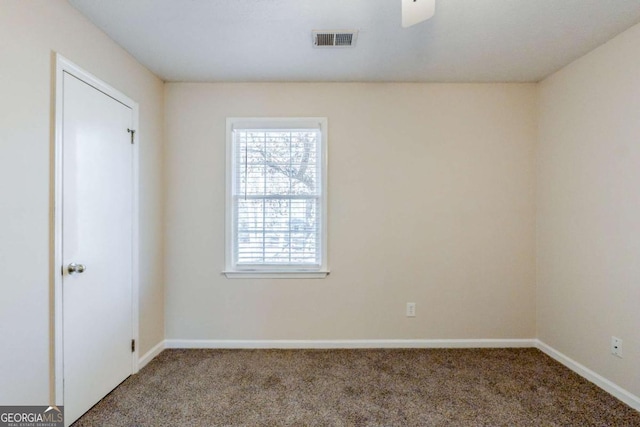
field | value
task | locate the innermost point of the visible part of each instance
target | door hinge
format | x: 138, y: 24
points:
x: 133, y: 346
x: 132, y: 132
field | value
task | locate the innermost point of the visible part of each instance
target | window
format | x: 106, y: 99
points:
x: 276, y: 197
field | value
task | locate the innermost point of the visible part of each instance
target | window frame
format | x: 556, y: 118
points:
x: 285, y: 271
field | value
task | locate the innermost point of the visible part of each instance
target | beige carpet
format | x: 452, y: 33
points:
x: 480, y: 387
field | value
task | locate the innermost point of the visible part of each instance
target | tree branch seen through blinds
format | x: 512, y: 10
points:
x: 277, y: 197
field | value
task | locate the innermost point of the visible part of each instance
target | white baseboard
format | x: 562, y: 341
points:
x: 319, y: 344
x: 608, y: 386
x: 149, y: 355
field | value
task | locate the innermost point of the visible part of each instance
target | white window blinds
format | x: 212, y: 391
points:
x: 277, y: 195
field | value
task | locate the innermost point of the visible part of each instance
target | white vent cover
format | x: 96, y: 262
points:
x: 342, y: 38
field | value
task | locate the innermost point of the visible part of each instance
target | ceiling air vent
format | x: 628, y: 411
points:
x: 343, y: 38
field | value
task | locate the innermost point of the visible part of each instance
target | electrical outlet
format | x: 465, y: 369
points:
x: 616, y: 346
x: 411, y: 309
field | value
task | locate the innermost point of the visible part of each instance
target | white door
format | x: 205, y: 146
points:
x: 97, y: 193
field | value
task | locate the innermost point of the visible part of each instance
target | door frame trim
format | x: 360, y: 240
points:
x: 63, y: 65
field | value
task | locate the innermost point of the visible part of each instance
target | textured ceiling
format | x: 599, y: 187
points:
x: 270, y: 40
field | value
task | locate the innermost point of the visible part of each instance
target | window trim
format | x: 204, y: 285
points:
x: 275, y: 272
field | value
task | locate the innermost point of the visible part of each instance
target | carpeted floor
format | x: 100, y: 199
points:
x: 435, y: 387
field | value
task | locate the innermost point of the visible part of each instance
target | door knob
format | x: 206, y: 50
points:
x: 75, y: 268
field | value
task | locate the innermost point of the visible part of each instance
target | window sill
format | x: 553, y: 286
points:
x: 276, y: 274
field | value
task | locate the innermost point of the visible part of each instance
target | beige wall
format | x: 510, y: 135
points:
x: 431, y: 200
x: 588, y: 209
x: 29, y: 32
